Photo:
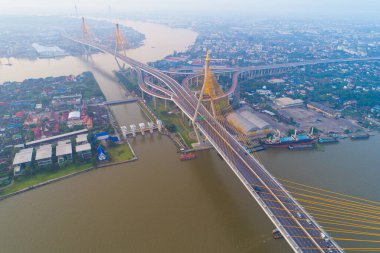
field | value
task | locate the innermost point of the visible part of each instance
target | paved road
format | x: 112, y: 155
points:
x: 189, y: 71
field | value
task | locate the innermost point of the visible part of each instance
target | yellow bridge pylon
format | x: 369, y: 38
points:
x: 120, y: 42
x: 213, y: 92
x: 85, y: 30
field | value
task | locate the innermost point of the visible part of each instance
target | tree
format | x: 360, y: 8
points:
x: 291, y: 132
x: 172, y: 128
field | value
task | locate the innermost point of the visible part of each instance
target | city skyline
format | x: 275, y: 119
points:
x: 366, y: 8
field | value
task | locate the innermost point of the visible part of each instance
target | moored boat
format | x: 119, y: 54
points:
x: 361, y: 136
x: 284, y: 142
x: 327, y: 140
x: 188, y: 156
x: 301, y: 147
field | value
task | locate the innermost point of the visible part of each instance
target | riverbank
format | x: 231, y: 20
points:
x: 59, y: 175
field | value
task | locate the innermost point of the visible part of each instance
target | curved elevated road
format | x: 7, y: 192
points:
x: 239, y: 71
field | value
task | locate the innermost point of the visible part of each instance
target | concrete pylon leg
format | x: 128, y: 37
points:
x: 155, y: 103
x: 166, y: 105
x: 199, y: 140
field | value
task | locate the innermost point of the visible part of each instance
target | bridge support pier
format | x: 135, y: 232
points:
x: 199, y: 139
x: 155, y: 103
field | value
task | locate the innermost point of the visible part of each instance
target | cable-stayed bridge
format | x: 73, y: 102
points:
x: 299, y: 229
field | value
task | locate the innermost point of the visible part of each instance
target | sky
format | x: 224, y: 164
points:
x: 276, y: 7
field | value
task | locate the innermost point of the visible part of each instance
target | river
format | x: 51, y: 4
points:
x: 159, y: 204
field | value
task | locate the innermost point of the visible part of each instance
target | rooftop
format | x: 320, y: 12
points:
x: 323, y: 107
x: 241, y: 123
x: 64, y: 149
x: 63, y: 142
x: 286, y: 102
x: 81, y: 138
x: 257, y: 121
x: 74, y: 115
x: 53, y: 138
x: 83, y: 147
x: 23, y: 156
x: 44, y: 152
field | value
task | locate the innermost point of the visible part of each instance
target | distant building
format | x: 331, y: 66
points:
x: 55, y: 138
x: 327, y: 111
x: 67, y: 101
x: 81, y: 139
x: 44, y: 155
x: 74, y: 119
x: 269, y: 113
x: 276, y: 81
x: 44, y: 51
x: 288, y: 102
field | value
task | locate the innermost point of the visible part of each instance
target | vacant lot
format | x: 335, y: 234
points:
x: 307, y: 118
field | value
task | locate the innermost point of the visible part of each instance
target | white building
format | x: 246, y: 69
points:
x: 64, y: 151
x: 43, y: 155
x: 286, y: 102
x: 81, y: 139
x: 84, y: 151
x: 45, y: 51
x: 22, y: 159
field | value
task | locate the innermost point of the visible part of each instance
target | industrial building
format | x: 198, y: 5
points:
x: 254, y: 119
x: 248, y: 123
x: 327, y: 111
x: 240, y: 123
x: 46, y: 51
x: 286, y: 102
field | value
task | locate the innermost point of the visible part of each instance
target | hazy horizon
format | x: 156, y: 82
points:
x: 277, y: 8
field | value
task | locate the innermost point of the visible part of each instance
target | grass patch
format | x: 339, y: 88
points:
x: 120, y: 153
x: 181, y: 124
x: 43, y: 176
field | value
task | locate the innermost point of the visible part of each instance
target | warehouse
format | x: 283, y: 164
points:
x: 254, y: 119
x: 240, y: 123
x: 288, y: 102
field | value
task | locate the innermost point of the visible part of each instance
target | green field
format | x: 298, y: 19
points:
x: 43, y: 176
x: 181, y: 124
x: 120, y: 153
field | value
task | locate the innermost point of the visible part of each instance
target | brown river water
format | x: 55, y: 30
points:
x: 160, y: 204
